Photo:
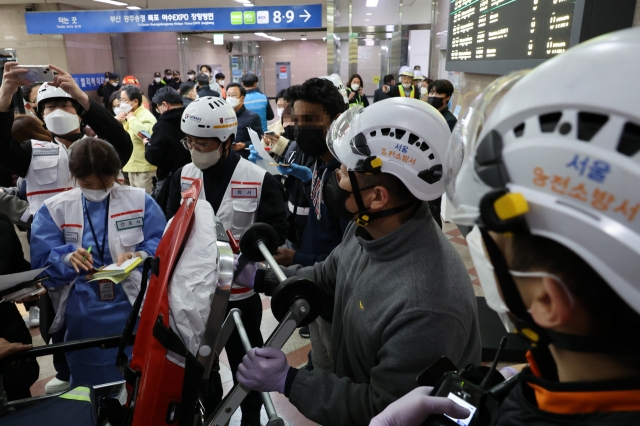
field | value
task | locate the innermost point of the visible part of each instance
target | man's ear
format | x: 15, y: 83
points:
x: 552, y: 306
x: 379, y: 198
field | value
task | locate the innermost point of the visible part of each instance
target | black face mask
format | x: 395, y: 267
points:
x: 290, y: 133
x: 335, y: 198
x: 435, y: 101
x: 311, y: 141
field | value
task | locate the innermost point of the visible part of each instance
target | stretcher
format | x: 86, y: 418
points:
x: 164, y: 380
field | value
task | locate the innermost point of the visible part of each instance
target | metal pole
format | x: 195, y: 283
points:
x: 271, y: 261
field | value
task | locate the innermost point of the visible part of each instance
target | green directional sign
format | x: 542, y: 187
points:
x: 249, y: 17
x: 236, y: 18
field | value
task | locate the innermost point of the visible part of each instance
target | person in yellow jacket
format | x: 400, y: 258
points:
x: 138, y: 119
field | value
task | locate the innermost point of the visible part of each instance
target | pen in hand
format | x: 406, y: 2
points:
x: 88, y: 251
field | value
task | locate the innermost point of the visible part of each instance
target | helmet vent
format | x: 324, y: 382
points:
x: 548, y: 122
x: 400, y: 133
x: 629, y: 143
x: 385, y: 131
x: 211, y: 105
x: 589, y: 124
x: 373, y: 134
x: 424, y: 147
x: 413, y: 139
x: 431, y: 157
x: 359, y: 145
x: 519, y: 130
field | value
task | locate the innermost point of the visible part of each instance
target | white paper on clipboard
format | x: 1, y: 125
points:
x: 266, y: 158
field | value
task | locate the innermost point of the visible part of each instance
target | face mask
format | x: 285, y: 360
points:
x: 190, y: 76
x: 168, y: 76
x: 334, y: 198
x: 355, y: 87
x: 280, y: 111
x: 424, y: 91
x: 176, y: 78
x: 204, y: 160
x: 435, y: 102
x: 311, y: 141
x: 60, y: 122
x: 126, y: 108
x: 114, y: 84
x: 157, y: 79
x: 221, y: 82
x: 95, y: 195
x: 205, y: 73
x: 234, y: 102
x: 407, y: 85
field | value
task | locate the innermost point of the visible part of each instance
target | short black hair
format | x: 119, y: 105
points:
x: 168, y: 95
x: 207, y: 67
x: 291, y: 93
x: 359, y: 78
x: 398, y: 190
x: 388, y: 78
x: 219, y: 76
x: 281, y: 95
x: 133, y: 92
x: 443, y: 87
x: 26, y: 91
x: 606, y: 310
x: 185, y: 88
x: 249, y: 80
x: 322, y: 91
x: 191, y: 72
x: 243, y: 91
x: 202, y: 79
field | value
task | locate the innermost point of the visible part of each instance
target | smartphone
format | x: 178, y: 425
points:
x: 270, y: 133
x: 37, y: 73
x: 144, y: 135
x: 461, y: 402
x: 462, y: 392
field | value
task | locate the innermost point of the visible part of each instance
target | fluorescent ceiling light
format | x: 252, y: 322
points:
x: 303, y: 38
x: 236, y: 37
x: 272, y: 38
x: 324, y: 39
x: 367, y: 20
x: 133, y: 7
x: 368, y: 14
x: 247, y: 4
x: 372, y: 3
x: 243, y: 1
x: 115, y: 3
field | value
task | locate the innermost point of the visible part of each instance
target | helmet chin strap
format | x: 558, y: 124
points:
x: 527, y: 328
x: 364, y: 217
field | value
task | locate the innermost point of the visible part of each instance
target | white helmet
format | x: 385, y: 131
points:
x: 563, y: 161
x: 337, y: 81
x: 404, y: 137
x: 417, y: 75
x: 405, y: 70
x: 209, y: 117
x: 47, y: 91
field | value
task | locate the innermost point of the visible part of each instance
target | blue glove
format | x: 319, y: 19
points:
x: 414, y: 408
x: 253, y: 155
x: 264, y: 370
x: 244, y: 271
x: 301, y: 172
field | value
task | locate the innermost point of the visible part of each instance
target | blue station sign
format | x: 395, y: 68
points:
x: 257, y: 18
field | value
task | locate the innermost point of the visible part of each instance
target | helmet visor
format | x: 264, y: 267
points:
x: 340, y: 128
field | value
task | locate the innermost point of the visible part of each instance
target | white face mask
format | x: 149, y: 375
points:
x: 96, y: 195
x: 190, y: 76
x: 407, y: 85
x: 221, y: 82
x: 234, y: 102
x: 424, y: 91
x: 204, y: 160
x: 60, y: 122
x: 157, y: 79
x: 280, y: 111
x: 114, y: 84
x: 355, y: 87
x: 126, y: 108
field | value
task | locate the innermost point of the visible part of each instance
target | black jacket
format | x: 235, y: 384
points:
x: 206, y: 91
x: 271, y: 209
x: 247, y: 119
x: 394, y: 92
x: 186, y: 101
x: 106, y: 92
x: 164, y: 149
x: 175, y: 84
x: 17, y: 378
x: 451, y: 119
x: 16, y: 156
x: 379, y: 95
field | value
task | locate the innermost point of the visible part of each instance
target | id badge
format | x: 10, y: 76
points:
x: 107, y: 290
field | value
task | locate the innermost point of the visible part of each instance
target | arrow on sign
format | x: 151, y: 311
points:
x: 306, y: 16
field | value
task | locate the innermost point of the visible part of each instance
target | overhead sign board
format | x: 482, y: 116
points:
x: 258, y: 18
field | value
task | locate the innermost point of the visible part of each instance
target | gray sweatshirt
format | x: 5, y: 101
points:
x: 401, y: 302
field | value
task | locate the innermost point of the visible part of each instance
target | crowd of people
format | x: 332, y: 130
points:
x: 541, y: 182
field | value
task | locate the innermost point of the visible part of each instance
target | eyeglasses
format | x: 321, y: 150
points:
x: 200, y: 147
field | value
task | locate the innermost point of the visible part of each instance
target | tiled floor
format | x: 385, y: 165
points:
x: 296, y: 348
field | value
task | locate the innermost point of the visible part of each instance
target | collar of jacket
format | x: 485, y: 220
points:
x: 406, y: 238
x: 241, y: 110
x: 172, y: 114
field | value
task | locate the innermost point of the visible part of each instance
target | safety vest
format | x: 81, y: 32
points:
x: 125, y: 232
x: 402, y: 94
x: 48, y: 174
x: 239, y: 205
x: 356, y: 100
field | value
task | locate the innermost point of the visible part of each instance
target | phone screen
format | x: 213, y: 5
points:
x: 465, y: 404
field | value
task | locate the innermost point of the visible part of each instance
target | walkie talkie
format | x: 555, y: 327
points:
x: 475, y: 398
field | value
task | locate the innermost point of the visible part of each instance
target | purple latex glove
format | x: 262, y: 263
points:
x: 264, y: 370
x: 414, y: 408
x: 244, y: 272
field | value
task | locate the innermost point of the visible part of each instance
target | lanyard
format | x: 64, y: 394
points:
x: 93, y: 232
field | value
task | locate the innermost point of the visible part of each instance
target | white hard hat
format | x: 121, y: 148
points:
x: 567, y: 162
x: 209, y: 117
x: 417, y: 75
x: 47, y: 91
x: 405, y: 70
x: 337, y: 81
x: 404, y: 137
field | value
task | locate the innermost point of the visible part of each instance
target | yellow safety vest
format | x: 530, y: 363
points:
x: 402, y: 94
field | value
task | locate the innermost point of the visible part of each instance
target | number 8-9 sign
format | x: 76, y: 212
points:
x: 289, y: 16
